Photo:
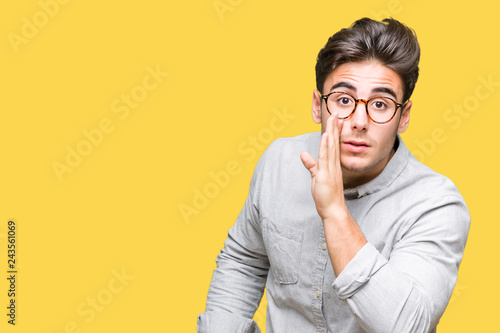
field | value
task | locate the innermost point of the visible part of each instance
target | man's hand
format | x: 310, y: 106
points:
x: 326, y: 174
x: 343, y: 236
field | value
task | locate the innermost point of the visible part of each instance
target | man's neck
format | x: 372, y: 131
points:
x: 352, y: 179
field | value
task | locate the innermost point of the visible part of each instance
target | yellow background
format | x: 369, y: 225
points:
x: 118, y: 210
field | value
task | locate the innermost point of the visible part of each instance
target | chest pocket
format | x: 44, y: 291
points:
x: 284, y: 248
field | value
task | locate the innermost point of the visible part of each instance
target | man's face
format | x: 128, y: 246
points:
x: 365, y: 147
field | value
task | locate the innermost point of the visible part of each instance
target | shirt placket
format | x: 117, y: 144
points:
x: 317, y: 285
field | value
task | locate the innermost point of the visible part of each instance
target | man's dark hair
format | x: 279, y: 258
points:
x: 390, y: 42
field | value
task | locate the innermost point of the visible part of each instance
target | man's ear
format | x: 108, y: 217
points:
x: 316, y: 107
x: 405, y: 118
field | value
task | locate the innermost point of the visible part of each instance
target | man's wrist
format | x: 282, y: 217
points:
x: 336, y: 215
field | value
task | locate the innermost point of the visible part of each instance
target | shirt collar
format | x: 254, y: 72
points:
x: 391, y: 171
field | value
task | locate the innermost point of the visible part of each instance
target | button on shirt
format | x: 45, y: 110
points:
x: 416, y: 224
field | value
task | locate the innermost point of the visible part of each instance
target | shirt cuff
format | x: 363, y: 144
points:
x: 358, y: 271
x: 225, y: 322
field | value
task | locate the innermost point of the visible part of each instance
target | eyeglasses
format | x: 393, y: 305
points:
x: 380, y: 110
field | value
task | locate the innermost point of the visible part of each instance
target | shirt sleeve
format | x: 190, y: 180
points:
x: 409, y: 291
x: 239, y: 280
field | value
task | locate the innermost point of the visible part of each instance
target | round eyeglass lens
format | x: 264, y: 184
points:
x: 380, y: 109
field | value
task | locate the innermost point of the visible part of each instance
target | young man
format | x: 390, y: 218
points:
x: 377, y: 245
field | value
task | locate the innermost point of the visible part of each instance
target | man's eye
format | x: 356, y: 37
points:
x: 379, y: 105
x: 343, y: 101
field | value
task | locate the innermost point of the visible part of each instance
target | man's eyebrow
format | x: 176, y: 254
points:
x: 385, y: 90
x: 343, y: 85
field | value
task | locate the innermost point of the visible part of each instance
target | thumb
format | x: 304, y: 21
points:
x: 309, y: 162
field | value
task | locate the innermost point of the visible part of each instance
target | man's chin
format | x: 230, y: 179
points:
x: 354, y: 169
x: 355, y: 166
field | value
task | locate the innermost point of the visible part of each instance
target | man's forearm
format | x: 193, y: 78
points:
x: 343, y: 238
x: 383, y: 299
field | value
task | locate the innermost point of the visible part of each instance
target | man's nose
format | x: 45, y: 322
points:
x: 360, y: 120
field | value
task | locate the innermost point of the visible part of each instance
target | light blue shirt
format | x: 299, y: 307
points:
x: 416, y: 224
